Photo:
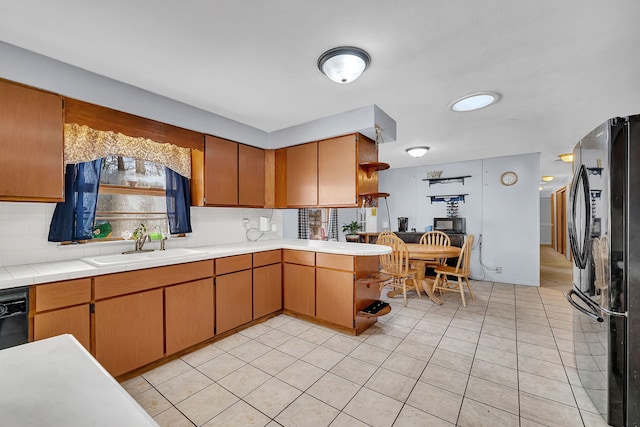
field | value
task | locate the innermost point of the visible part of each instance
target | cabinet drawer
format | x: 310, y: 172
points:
x: 266, y: 258
x: 62, y: 294
x: 135, y: 281
x: 233, y: 263
x: 299, y: 257
x: 333, y: 261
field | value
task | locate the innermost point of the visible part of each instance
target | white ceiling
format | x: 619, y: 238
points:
x: 562, y: 66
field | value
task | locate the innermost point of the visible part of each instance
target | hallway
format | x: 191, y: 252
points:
x: 555, y: 269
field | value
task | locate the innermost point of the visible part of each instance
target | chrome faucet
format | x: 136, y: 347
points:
x: 142, y: 237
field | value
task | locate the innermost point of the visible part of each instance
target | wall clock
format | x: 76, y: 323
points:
x: 508, y: 178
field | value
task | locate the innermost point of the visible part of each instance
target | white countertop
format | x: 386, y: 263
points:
x: 56, y: 382
x: 30, y: 274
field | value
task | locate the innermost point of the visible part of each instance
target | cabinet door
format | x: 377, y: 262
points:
x: 72, y: 320
x: 221, y: 171
x: 302, y: 175
x: 267, y: 290
x: 129, y: 331
x: 334, y: 296
x: 337, y: 171
x: 300, y: 289
x: 233, y: 300
x: 189, y: 314
x: 31, y: 135
x: 250, y: 176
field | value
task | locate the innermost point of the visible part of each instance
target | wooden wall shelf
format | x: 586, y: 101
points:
x: 370, y: 167
x: 374, y: 195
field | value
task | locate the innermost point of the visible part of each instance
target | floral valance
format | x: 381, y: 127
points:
x: 83, y: 144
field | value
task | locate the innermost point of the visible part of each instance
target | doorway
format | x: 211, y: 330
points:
x: 555, y: 268
x: 559, y: 221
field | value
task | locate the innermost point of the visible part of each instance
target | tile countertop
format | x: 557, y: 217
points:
x: 30, y: 274
x: 56, y: 382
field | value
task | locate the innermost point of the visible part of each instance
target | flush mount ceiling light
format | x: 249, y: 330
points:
x: 566, y: 157
x: 475, y: 101
x: 547, y: 178
x: 344, y: 64
x: 417, y: 151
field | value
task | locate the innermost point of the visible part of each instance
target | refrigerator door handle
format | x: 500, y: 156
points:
x: 580, y: 253
x: 592, y: 314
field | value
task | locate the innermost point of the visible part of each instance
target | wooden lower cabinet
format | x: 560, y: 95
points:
x: 129, y: 331
x: 63, y: 308
x: 334, y: 297
x: 234, y: 297
x: 300, y: 289
x: 72, y: 320
x: 267, y: 290
x: 189, y: 314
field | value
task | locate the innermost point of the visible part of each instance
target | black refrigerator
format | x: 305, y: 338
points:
x: 604, y: 234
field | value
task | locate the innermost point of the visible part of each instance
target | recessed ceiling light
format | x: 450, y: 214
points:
x: 566, y: 157
x: 475, y: 101
x: 344, y: 64
x: 547, y: 178
x: 417, y: 151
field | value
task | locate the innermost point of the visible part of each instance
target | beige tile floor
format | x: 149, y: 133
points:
x: 505, y: 360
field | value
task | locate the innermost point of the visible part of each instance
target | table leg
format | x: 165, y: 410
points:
x: 420, y: 266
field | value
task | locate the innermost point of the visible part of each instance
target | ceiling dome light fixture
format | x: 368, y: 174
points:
x: 344, y: 64
x: 547, y: 178
x: 475, y: 101
x: 417, y: 151
x: 566, y: 157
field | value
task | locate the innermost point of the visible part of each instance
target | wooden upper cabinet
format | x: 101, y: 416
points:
x: 221, y: 171
x: 251, y: 178
x: 31, y: 138
x: 302, y: 175
x: 337, y: 171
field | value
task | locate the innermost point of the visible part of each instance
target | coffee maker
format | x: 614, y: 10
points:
x: 403, y: 224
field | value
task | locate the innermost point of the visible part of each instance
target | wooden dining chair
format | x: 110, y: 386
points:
x: 396, y: 264
x: 461, y: 272
x: 600, y: 251
x: 384, y: 233
x: 435, y: 238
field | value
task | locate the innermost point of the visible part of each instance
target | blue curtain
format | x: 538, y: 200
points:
x: 73, y: 219
x: 178, y: 202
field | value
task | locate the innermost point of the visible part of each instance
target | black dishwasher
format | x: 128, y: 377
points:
x: 14, y: 317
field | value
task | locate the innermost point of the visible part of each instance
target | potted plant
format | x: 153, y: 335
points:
x: 351, y: 231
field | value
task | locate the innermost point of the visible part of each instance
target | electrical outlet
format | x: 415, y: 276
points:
x: 245, y: 222
x: 498, y: 269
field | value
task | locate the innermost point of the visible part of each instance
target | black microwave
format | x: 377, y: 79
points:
x: 450, y: 225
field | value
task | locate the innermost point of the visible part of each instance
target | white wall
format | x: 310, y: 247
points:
x: 27, y: 67
x: 504, y: 220
x: 545, y: 220
x: 24, y: 228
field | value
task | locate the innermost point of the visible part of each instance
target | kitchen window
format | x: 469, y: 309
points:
x: 126, y: 181
x: 132, y: 192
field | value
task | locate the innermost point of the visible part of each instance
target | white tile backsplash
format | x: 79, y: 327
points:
x: 24, y: 228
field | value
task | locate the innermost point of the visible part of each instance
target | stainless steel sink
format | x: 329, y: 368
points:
x: 108, y: 260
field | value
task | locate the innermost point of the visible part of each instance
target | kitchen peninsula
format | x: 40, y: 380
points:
x: 141, y: 310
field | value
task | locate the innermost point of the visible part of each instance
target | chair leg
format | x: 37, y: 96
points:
x: 464, y: 303
x: 473, y: 297
x: 436, y: 283
x: 404, y: 291
x: 415, y: 286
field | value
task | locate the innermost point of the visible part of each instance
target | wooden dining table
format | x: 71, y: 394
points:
x: 420, y: 254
